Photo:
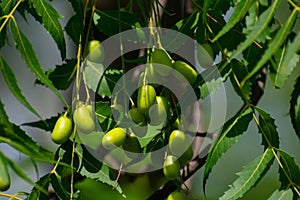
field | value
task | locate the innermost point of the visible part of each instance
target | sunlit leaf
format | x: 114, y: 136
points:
x: 238, y: 13
x: 289, y: 61
x: 30, y: 58
x: 282, y: 195
x: 230, y: 134
x: 295, y: 107
x: 274, y: 45
x: 261, y: 24
x: 50, y: 21
x: 267, y: 128
x: 249, y: 176
x: 12, y: 83
x: 289, y: 172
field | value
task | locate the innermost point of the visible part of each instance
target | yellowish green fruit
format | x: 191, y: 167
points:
x: 171, y: 167
x: 114, y: 138
x: 62, y: 130
x: 84, y: 119
x: 146, y: 98
x: 177, y: 142
x: 132, y: 146
x: 205, y: 55
x: 159, y: 112
x: 161, y: 57
x: 185, y: 70
x: 176, y: 195
x: 4, y: 175
x: 94, y: 51
x: 137, y: 116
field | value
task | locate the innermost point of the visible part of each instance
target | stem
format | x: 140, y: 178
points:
x: 10, y: 196
x: 10, y: 15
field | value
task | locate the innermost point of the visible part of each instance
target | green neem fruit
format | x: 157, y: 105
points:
x: 132, y: 146
x: 205, y: 55
x: 171, y: 167
x: 186, y: 70
x: 84, y: 119
x: 159, y: 112
x: 176, y: 195
x: 160, y: 56
x: 4, y: 175
x: 146, y: 98
x: 94, y: 51
x: 114, y: 138
x: 187, y: 155
x: 62, y: 130
x: 137, y: 116
x: 177, y: 142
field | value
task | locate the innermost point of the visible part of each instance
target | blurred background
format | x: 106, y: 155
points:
x: 275, y: 102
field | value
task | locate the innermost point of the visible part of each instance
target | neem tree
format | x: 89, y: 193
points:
x: 130, y: 129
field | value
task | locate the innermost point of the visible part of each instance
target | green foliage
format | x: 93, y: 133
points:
x: 249, y: 42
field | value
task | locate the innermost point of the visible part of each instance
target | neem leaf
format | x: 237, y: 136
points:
x: 249, y: 176
x: 229, y: 135
x: 295, y: 107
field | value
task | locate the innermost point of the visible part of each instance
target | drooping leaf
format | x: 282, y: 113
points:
x: 63, y: 75
x: 60, y: 186
x: 36, y: 193
x: 274, y: 45
x: 50, y: 21
x: 230, y: 134
x: 77, y: 6
x: 74, y: 28
x: 295, y: 107
x: 112, y: 22
x: 281, y: 195
x: 46, y: 124
x: 261, y: 24
x: 188, y: 25
x: 289, y: 61
x: 249, y: 176
x: 17, y: 138
x: 267, y: 128
x: 239, y: 71
x: 29, y: 56
x: 90, y: 163
x: 289, y: 172
x: 12, y: 83
x: 103, y: 176
x: 238, y: 13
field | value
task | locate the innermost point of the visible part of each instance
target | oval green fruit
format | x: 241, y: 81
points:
x: 94, y: 51
x: 132, y: 146
x: 62, y: 130
x: 161, y: 57
x: 146, y: 98
x: 205, y: 55
x: 171, y: 167
x: 84, y: 119
x: 4, y: 175
x: 176, y: 195
x: 114, y: 138
x: 137, y: 116
x: 185, y: 70
x: 159, y: 112
x: 177, y: 142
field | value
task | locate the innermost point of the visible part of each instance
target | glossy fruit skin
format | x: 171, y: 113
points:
x: 146, y: 98
x: 84, y: 119
x: 205, y: 55
x: 4, y: 175
x: 137, y: 116
x: 177, y: 142
x: 94, y: 51
x: 185, y: 70
x: 187, y: 155
x: 161, y: 56
x: 171, y: 167
x: 176, y: 195
x: 132, y: 146
x: 159, y: 112
x: 114, y: 138
x: 62, y: 130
